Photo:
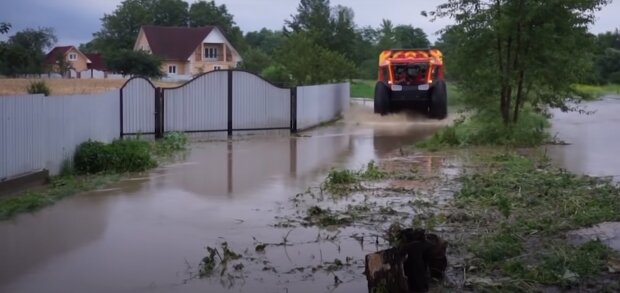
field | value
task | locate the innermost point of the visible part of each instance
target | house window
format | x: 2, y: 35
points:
x: 210, y: 53
x: 217, y: 67
x: 72, y: 56
x: 172, y: 69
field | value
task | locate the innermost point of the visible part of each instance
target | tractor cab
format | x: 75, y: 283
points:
x: 411, y: 78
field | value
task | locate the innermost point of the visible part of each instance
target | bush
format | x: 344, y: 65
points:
x: 120, y: 156
x: 172, y: 142
x: 38, y: 87
x: 91, y: 157
x: 488, y: 129
x: 130, y: 156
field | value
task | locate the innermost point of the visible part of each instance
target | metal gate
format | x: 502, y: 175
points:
x: 138, y: 99
x: 217, y: 101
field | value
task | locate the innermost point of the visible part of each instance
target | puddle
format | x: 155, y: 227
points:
x: 149, y: 234
x: 608, y: 233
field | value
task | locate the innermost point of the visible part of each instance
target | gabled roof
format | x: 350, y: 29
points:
x: 50, y: 58
x: 175, y: 43
x: 97, y: 62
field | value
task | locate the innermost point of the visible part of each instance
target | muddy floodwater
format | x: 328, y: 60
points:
x: 593, y: 139
x: 148, y: 233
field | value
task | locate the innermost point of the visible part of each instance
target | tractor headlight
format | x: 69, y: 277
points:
x: 424, y: 87
x: 397, y: 88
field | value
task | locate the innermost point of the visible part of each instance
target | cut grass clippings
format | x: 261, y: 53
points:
x: 70, y: 184
x: 525, y: 207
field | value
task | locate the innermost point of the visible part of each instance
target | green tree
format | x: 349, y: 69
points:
x: 204, y: 13
x: 515, y: 51
x: 120, y: 28
x: 62, y: 66
x: 608, y: 66
x: 407, y: 36
x: 23, y: 53
x: 314, y: 19
x: 4, y: 27
x: 266, y: 40
x: 255, y: 60
x: 309, y: 63
x: 134, y: 63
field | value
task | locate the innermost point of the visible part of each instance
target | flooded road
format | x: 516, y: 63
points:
x: 149, y: 233
x: 594, y: 140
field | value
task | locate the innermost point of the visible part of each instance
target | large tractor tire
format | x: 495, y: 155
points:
x: 382, y: 99
x: 438, y: 105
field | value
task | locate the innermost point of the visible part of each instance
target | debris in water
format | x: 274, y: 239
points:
x: 410, y: 266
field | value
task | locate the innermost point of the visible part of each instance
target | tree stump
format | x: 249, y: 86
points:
x: 409, y: 267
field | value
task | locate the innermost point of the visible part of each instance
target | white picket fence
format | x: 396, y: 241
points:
x: 38, y: 132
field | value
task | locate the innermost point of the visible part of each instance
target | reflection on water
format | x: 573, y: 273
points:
x: 142, y: 234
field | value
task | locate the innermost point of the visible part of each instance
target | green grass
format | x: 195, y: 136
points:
x: 59, y: 188
x: 526, y: 206
x: 341, y: 181
x: 597, y: 91
x: 488, y: 129
x: 363, y: 89
x: 94, y: 158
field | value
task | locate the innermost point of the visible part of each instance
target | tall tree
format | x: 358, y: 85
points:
x: 266, y: 40
x: 120, y: 28
x: 4, y: 27
x: 314, y: 19
x: 407, y: 36
x: 23, y: 53
x: 515, y: 51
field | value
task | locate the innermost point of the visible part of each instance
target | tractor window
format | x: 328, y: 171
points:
x: 435, y: 73
x: 385, y: 74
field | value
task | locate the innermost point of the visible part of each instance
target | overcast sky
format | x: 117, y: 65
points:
x: 76, y: 20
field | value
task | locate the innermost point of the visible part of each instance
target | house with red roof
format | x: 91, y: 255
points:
x: 79, y: 65
x: 188, y: 51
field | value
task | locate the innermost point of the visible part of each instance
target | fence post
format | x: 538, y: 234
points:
x: 230, y: 102
x: 159, y: 129
x: 121, y: 112
x: 294, y: 110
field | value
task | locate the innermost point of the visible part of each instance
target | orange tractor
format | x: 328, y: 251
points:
x: 413, y: 79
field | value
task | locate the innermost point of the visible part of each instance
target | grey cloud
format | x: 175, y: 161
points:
x: 76, y: 20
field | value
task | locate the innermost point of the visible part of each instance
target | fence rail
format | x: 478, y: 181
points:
x: 38, y: 132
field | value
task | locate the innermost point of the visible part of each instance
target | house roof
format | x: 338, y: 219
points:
x: 50, y: 58
x: 175, y: 43
x: 97, y: 62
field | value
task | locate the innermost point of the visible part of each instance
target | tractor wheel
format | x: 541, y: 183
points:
x: 439, y: 101
x: 382, y: 99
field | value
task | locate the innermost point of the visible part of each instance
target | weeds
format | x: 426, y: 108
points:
x: 172, y: 142
x: 528, y: 206
x: 488, y: 129
x: 209, y: 263
x: 38, y: 87
x: 59, y: 188
x: 341, y: 181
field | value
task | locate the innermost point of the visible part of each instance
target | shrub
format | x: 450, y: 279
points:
x: 130, y: 156
x: 38, y: 87
x: 172, y: 142
x: 91, y: 157
x: 120, y: 156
